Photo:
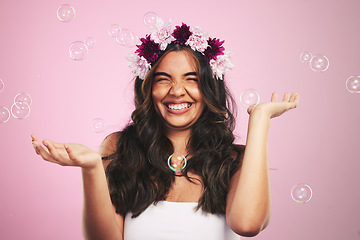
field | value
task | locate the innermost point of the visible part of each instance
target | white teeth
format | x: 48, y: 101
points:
x: 179, y: 106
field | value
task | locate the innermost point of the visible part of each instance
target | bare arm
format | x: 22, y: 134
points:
x: 100, y: 220
x: 249, y: 201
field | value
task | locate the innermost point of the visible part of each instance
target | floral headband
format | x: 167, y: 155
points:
x: 162, y: 34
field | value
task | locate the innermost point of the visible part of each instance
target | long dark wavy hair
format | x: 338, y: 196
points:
x: 138, y: 174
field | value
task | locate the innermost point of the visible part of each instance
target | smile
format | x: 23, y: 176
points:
x: 178, y: 106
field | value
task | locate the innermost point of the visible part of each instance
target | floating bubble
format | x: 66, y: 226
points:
x: 90, y: 42
x: 20, y: 110
x: 66, y: 13
x: 305, y: 57
x: 127, y: 38
x: 23, y: 97
x: 4, y: 114
x: 78, y: 50
x: 301, y: 193
x: 1, y: 85
x: 353, y: 84
x: 150, y: 18
x: 114, y: 30
x: 177, y: 162
x: 249, y: 97
x: 319, y: 63
x: 98, y: 125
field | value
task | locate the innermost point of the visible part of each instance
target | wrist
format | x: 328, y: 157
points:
x: 93, y: 168
x: 260, y: 113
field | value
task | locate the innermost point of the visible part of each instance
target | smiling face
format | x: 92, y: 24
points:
x: 176, y: 93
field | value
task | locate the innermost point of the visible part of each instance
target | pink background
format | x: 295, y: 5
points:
x: 316, y: 144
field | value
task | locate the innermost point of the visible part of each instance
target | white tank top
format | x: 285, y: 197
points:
x: 177, y: 221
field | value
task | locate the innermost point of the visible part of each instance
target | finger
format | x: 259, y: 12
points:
x: 70, y: 152
x: 274, y: 97
x: 44, y: 153
x: 52, y: 150
x: 294, y: 97
x: 286, y: 97
x: 33, y: 138
x: 57, y: 145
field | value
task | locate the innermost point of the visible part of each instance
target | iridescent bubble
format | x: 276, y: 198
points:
x: 305, y: 57
x: 90, y: 42
x: 1, y: 85
x: 98, y: 125
x: 66, y: 13
x: 114, y: 30
x: 177, y: 162
x: 4, y: 114
x: 78, y: 50
x: 301, y: 193
x: 127, y: 38
x: 150, y: 18
x: 249, y: 97
x: 23, y: 97
x: 353, y: 84
x: 319, y: 63
x: 20, y: 110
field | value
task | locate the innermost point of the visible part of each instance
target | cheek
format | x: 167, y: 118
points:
x: 159, y: 92
x: 195, y: 93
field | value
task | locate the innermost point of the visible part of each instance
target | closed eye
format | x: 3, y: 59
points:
x: 161, y: 79
x: 192, y: 79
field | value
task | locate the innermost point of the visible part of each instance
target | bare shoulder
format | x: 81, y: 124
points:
x: 108, y: 147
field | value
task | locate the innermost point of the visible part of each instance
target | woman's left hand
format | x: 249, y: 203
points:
x: 276, y: 108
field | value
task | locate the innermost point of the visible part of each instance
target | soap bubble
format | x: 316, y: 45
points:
x: 66, y: 13
x: 319, y: 63
x: 4, y: 114
x: 177, y: 162
x: 23, y: 97
x: 1, y: 85
x: 20, y: 110
x: 305, y: 57
x: 301, y: 193
x: 98, y: 125
x: 127, y: 38
x: 249, y: 97
x: 78, y: 50
x: 353, y: 84
x: 114, y: 30
x: 150, y: 18
x: 90, y: 42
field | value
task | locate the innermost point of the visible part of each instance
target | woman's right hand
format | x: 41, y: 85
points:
x: 67, y: 154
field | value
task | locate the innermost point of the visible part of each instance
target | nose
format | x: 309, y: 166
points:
x: 178, y: 89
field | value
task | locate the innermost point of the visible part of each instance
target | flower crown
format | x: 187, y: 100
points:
x: 162, y: 34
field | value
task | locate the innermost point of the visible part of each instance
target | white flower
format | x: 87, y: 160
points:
x: 221, y: 65
x: 139, y: 65
x: 198, y: 40
x: 162, y: 33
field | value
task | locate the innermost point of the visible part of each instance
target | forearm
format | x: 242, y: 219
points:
x: 99, y: 220
x: 251, y: 201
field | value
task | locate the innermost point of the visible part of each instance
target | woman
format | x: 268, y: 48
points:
x: 182, y: 106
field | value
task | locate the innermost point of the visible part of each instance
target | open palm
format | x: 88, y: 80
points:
x: 276, y: 108
x: 66, y: 154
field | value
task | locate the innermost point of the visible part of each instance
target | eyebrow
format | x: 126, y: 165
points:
x: 168, y: 75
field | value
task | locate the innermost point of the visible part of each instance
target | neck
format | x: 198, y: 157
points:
x: 179, y: 139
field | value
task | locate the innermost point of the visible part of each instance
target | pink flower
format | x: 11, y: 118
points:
x: 221, y: 65
x: 162, y: 33
x: 139, y: 65
x: 197, y: 41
